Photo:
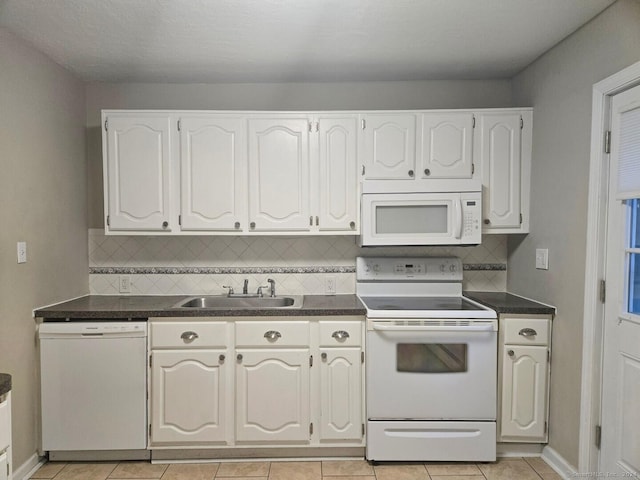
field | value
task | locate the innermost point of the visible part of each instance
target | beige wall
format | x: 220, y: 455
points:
x: 559, y: 87
x: 43, y: 202
x: 276, y: 96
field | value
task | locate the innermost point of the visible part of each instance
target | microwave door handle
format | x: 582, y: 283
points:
x: 458, y: 217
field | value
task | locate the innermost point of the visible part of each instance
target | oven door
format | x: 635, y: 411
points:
x: 431, y: 372
x: 421, y: 219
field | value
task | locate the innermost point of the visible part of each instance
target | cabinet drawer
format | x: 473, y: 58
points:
x: 340, y: 334
x: 181, y: 334
x: 515, y: 331
x: 272, y: 334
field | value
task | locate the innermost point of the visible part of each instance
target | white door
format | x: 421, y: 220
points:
x: 389, y: 146
x: 620, y: 445
x: 138, y: 151
x: 213, y: 173
x: 524, y: 392
x: 447, y: 145
x: 272, y: 395
x: 188, y: 403
x: 498, y: 145
x: 338, y: 195
x: 341, y: 394
x: 279, y: 193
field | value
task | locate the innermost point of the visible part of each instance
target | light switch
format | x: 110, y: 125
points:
x: 542, y: 258
x: 22, y: 252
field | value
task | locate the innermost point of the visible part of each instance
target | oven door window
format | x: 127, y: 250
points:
x: 431, y: 357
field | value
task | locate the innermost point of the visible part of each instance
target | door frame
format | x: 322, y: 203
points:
x: 592, y: 334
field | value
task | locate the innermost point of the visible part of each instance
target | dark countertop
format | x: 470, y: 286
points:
x: 109, y: 307
x: 5, y: 383
x: 503, y: 302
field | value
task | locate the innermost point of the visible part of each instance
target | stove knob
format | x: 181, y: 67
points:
x: 452, y: 268
x: 376, y: 268
x: 442, y: 268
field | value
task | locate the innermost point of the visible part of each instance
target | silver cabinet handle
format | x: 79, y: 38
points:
x: 411, y: 173
x: 427, y: 172
x: 323, y: 355
x: 239, y: 357
x: 165, y: 224
x: 511, y: 353
x: 189, y: 336
x: 252, y: 225
x: 237, y: 225
x: 487, y: 221
x: 340, y: 335
x: 222, y: 358
x: 528, y: 332
x: 352, y: 225
x: 272, y: 335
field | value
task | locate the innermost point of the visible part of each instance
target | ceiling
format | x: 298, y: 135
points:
x: 214, y: 41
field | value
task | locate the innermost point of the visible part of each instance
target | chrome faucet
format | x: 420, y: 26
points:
x: 272, y: 282
x: 245, y: 288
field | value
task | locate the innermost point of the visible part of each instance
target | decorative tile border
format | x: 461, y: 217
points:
x: 257, y: 270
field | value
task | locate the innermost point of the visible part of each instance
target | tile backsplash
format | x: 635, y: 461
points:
x: 198, y: 265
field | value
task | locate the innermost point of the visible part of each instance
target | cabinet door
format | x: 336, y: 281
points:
x: 524, y: 393
x: 213, y: 173
x: 389, y: 146
x: 341, y: 394
x: 447, y: 145
x: 137, y: 176
x: 338, y: 195
x: 272, y: 395
x: 499, y: 147
x: 5, y: 423
x: 189, y: 397
x: 279, y: 174
x: 4, y: 466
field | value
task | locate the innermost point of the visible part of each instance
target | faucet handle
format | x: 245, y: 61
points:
x: 230, y: 292
x: 272, y: 283
x: 259, y: 292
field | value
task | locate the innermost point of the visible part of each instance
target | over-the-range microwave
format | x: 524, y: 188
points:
x: 450, y: 218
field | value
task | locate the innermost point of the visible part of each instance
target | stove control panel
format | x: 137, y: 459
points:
x: 440, y: 269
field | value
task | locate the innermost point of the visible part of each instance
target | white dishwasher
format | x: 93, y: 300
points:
x: 94, y: 385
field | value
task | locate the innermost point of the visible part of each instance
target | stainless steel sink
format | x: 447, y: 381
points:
x: 224, y: 302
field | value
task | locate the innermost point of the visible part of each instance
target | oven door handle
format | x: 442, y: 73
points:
x: 433, y: 328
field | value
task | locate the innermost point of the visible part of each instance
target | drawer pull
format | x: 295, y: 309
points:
x: 528, y: 332
x: 272, y: 335
x: 189, y: 337
x: 340, y: 335
x: 511, y: 353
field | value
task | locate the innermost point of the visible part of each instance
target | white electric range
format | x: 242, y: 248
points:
x: 431, y: 362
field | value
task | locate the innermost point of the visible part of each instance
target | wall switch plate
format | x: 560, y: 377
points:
x: 22, y: 252
x: 330, y: 285
x: 124, y: 284
x: 542, y: 258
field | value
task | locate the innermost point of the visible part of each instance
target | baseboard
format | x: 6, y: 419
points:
x: 28, y: 468
x: 558, y: 463
x: 505, y: 449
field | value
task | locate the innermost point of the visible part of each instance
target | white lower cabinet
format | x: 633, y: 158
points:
x: 524, y: 366
x: 5, y: 436
x: 256, y: 381
x: 272, y: 395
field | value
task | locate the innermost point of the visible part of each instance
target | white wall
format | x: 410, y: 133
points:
x: 559, y: 85
x: 43, y: 202
x: 276, y: 96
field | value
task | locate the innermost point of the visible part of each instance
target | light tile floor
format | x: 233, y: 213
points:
x: 504, y: 469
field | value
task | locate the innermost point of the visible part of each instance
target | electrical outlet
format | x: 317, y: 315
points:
x: 125, y: 284
x: 330, y: 285
x: 22, y: 252
x: 542, y: 258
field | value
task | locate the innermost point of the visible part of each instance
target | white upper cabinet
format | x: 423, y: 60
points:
x: 503, y: 146
x: 279, y: 197
x: 447, y: 145
x: 137, y: 175
x: 213, y: 185
x: 389, y: 146
x: 337, y: 180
